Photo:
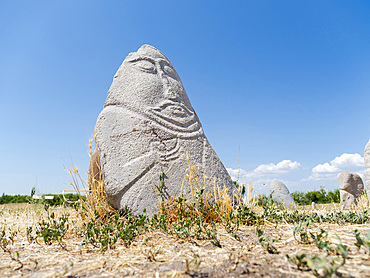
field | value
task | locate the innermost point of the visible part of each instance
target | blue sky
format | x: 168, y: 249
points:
x: 287, y: 81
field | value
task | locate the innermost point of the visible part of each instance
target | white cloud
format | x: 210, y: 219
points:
x: 282, y: 167
x: 235, y: 173
x: 330, y: 170
x: 264, y: 173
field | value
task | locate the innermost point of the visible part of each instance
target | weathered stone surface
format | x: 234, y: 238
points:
x: 367, y: 155
x: 367, y: 182
x: 280, y: 193
x: 350, y: 188
x: 147, y: 125
x: 367, y: 171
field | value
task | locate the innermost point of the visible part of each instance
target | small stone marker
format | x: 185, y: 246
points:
x: 148, y: 125
x: 350, y: 188
x: 367, y: 171
x: 280, y: 193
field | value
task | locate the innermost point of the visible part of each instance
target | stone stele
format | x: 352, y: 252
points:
x: 350, y: 188
x: 148, y: 126
x: 367, y: 166
x: 280, y: 193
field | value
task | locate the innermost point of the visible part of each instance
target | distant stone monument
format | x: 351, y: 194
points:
x: 280, y: 193
x: 367, y: 171
x: 350, y: 188
x: 148, y: 126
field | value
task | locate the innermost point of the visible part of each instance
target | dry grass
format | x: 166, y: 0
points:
x: 155, y: 254
x: 207, y: 193
x: 96, y: 199
x: 362, y: 202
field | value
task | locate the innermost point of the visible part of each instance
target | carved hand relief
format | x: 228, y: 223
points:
x: 148, y: 124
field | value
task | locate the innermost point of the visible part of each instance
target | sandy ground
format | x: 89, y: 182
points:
x: 155, y: 254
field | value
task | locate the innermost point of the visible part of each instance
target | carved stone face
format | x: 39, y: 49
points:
x: 147, y: 126
x: 148, y: 83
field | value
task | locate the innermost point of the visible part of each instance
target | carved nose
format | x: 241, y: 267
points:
x: 169, y: 93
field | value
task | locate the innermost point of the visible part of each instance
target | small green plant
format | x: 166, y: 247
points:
x: 243, y: 216
x: 161, y: 185
x: 159, y: 221
x: 192, y: 264
x: 266, y: 242
x: 327, y: 265
x: 12, y: 235
x: 186, y: 220
x: 146, y: 240
x: 342, y: 250
x: 99, y: 235
x: 246, y: 216
x: 363, y: 241
x: 151, y: 253
x: 104, y: 233
x: 271, y: 212
x: 212, y: 235
x: 52, y: 229
x: 324, y: 266
x: 30, y: 237
x: 320, y: 266
x: 321, y: 240
x: 5, y: 242
x: 301, y: 233
x: 231, y: 224
x: 300, y: 260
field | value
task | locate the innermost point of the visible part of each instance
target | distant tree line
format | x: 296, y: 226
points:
x: 317, y: 196
x: 8, y: 199
x: 58, y: 199
x: 301, y: 198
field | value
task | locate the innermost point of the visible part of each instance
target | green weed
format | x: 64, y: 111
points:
x: 363, y: 241
x: 5, y: 245
x: 104, y: 233
x: 192, y: 264
x: 327, y: 265
x: 301, y: 233
x: 53, y: 229
x: 161, y: 185
x: 151, y: 253
x: 185, y: 220
x: 266, y: 242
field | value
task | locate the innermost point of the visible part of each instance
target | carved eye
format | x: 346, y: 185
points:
x: 144, y: 65
x: 170, y: 71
